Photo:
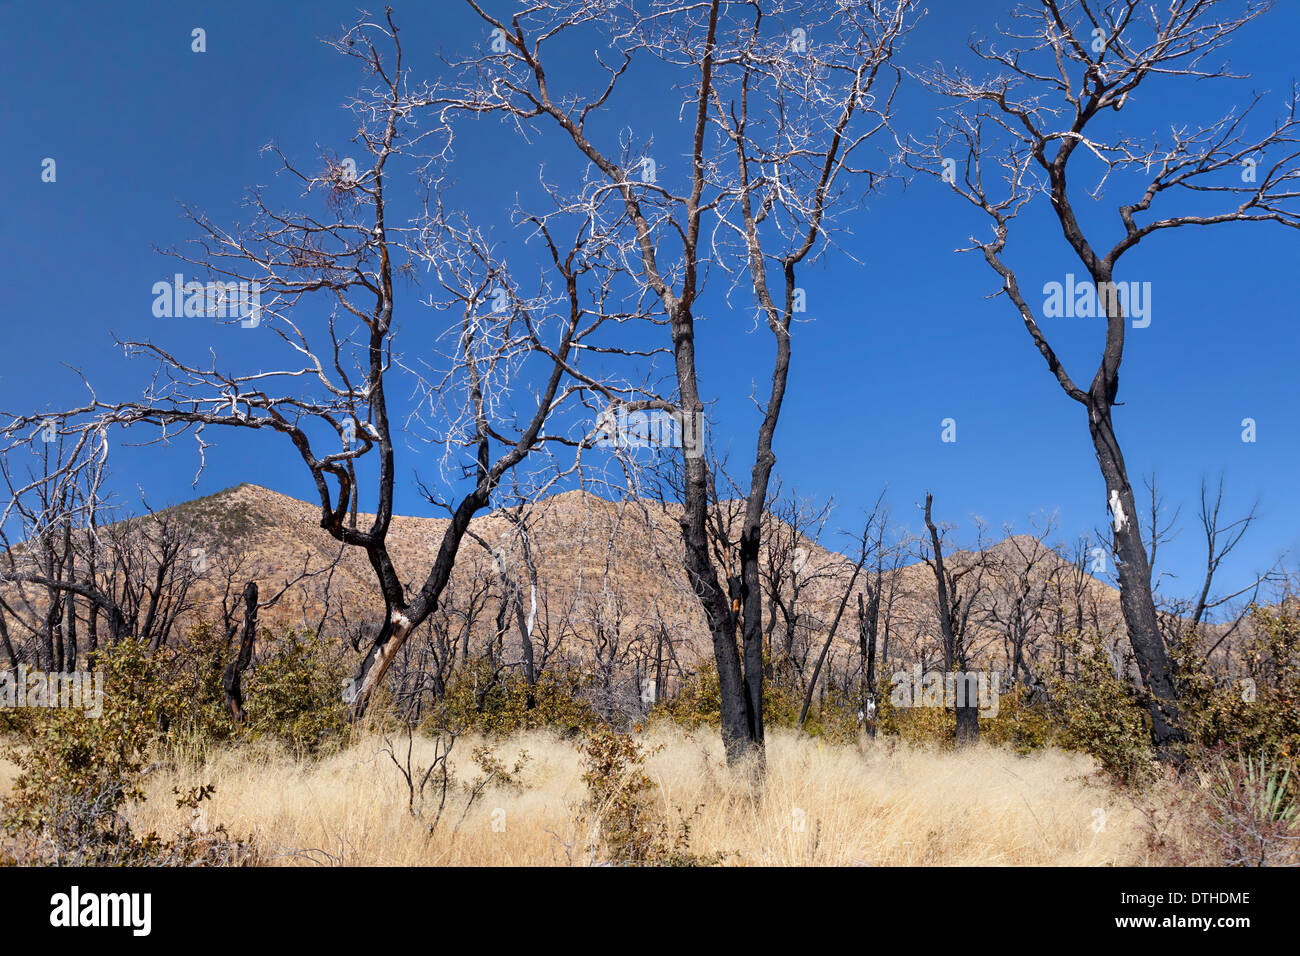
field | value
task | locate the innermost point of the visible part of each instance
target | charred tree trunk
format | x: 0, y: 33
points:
x: 7, y: 642
x: 720, y: 612
x: 522, y: 621
x: 752, y: 622
x: 1136, y: 600
x: 401, y: 619
x: 92, y: 633
x: 830, y: 637
x: 70, y: 634
x: 868, y: 622
x: 231, y: 680
x: 954, y: 652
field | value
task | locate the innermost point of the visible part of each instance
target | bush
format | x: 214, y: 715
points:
x: 699, y: 703
x: 198, y: 713
x: 1101, y: 715
x: 1257, y: 711
x: 1021, y: 723
x: 498, y: 705
x: 79, y: 775
x: 293, y: 693
x: 630, y: 826
x: 924, y: 726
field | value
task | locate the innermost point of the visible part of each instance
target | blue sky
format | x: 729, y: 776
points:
x: 137, y: 123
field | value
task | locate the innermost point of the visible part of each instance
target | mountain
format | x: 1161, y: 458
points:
x: 607, y: 573
x: 600, y: 582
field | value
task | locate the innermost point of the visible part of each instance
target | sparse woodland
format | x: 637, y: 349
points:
x: 607, y: 650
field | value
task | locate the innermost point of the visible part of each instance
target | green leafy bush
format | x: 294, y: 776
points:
x: 630, y: 825
x: 498, y: 704
x: 79, y: 775
x: 1102, y: 715
x: 293, y: 694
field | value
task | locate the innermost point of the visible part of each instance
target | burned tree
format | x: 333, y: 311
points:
x: 137, y: 573
x: 329, y: 283
x: 877, y: 594
x: 1024, y: 574
x: 780, y: 98
x: 1060, y: 75
x: 792, y: 528
x: 959, y: 590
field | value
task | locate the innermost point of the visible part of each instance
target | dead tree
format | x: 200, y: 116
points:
x: 867, y: 550
x: 329, y: 296
x: 781, y: 98
x: 1060, y: 71
x: 1024, y: 572
x: 1187, y: 617
x: 231, y: 678
x: 130, y: 572
x: 1221, y: 539
x: 511, y: 607
x: 877, y: 588
x: 958, y: 588
x: 792, y: 531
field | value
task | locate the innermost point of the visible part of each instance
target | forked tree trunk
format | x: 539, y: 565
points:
x: 737, y: 739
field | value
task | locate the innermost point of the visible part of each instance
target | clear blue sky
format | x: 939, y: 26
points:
x: 138, y: 123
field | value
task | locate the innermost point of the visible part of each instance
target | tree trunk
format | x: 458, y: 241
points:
x: 7, y: 643
x: 954, y: 651
x: 70, y: 634
x: 752, y: 625
x: 868, y: 621
x: 524, y: 623
x: 1136, y: 600
x: 968, y: 722
x: 231, y: 680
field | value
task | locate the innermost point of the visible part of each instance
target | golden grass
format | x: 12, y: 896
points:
x: 881, y: 803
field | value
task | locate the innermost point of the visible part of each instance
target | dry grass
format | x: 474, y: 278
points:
x: 879, y: 804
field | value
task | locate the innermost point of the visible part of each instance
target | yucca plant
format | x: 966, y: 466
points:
x: 1252, y: 812
x: 1265, y: 786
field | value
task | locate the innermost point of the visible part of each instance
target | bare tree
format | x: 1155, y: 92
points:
x: 1023, y: 574
x: 1183, y: 617
x: 333, y: 279
x: 508, y: 568
x: 876, y: 599
x: 959, y: 587
x: 793, y: 527
x: 777, y: 121
x: 868, y: 549
x: 1060, y: 71
x: 1221, y: 539
x: 137, y: 572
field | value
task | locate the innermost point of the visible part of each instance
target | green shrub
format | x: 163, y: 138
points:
x: 698, y: 703
x: 293, y: 694
x: 630, y: 826
x: 498, y: 705
x: 1257, y: 711
x: 1020, y: 723
x: 79, y: 774
x: 1100, y: 714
